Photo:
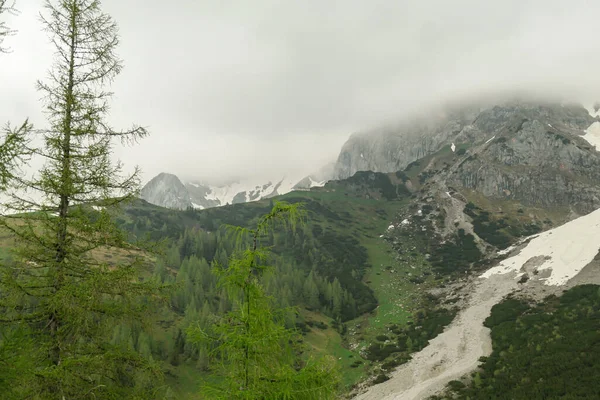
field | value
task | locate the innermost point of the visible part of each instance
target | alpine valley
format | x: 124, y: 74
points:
x: 453, y: 255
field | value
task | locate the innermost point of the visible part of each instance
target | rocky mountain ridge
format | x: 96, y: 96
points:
x: 527, y: 151
x: 530, y: 154
x: 167, y: 190
x: 392, y: 148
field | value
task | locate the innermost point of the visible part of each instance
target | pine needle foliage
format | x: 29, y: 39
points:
x: 13, y: 147
x: 253, y: 354
x: 14, y: 151
x: 56, y: 293
x: 6, y: 7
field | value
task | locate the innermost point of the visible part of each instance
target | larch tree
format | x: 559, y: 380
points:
x: 6, y: 7
x: 14, y: 152
x: 59, y: 293
x: 253, y: 353
x: 14, y: 139
x: 14, y: 344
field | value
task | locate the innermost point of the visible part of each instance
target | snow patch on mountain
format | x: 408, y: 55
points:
x: 245, y: 191
x: 594, y: 109
x: 565, y: 251
x: 592, y: 135
x: 239, y: 192
x: 314, y: 183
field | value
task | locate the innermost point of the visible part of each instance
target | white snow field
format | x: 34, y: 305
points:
x: 568, y: 249
x: 592, y: 135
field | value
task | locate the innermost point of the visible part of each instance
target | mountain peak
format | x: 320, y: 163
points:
x: 166, y: 190
x: 391, y: 148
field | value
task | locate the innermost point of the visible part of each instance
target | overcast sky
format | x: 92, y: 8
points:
x: 236, y: 87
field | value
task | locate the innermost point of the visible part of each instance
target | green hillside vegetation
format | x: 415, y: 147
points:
x: 358, y: 287
x: 345, y: 279
x: 103, y: 295
x: 321, y: 267
x: 500, y: 230
x: 355, y: 296
x: 252, y: 353
x: 548, y: 350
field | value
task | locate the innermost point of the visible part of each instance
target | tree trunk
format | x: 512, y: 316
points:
x: 61, y: 239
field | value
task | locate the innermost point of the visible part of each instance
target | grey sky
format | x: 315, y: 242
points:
x: 218, y: 82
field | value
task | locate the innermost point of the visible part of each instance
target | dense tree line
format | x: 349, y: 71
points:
x: 292, y: 284
x: 197, y: 298
x: 322, y: 245
x: 316, y: 259
x: 251, y: 350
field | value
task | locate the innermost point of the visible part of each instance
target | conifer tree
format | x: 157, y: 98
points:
x: 6, y: 7
x: 15, y: 345
x: 14, y: 139
x: 58, y: 291
x: 256, y: 356
x: 13, y: 152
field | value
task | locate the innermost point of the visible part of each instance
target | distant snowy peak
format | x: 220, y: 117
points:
x: 166, y: 190
x: 243, y: 192
x: 309, y: 182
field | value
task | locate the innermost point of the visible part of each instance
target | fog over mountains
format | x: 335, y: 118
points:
x: 391, y: 148
x: 292, y: 83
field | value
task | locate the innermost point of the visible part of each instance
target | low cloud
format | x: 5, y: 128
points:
x: 241, y: 89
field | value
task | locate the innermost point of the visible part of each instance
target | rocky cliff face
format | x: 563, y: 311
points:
x: 533, y: 154
x: 391, y: 149
x: 538, y: 154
